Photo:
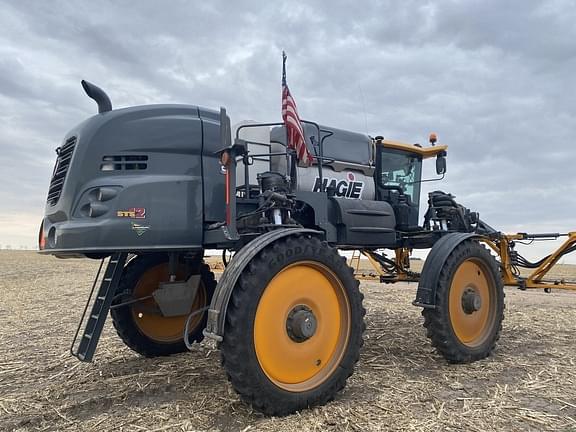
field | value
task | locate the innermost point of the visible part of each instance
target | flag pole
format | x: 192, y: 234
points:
x: 296, y: 139
x: 284, y: 57
x: 289, y: 154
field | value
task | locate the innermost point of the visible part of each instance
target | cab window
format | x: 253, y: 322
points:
x: 400, y: 170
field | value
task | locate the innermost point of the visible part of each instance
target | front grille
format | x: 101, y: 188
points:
x: 60, y: 169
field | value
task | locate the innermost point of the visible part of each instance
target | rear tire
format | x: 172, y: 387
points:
x: 294, y: 327
x: 151, y: 334
x: 466, y: 322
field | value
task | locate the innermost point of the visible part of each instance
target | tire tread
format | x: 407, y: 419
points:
x: 437, y: 321
x: 245, y: 376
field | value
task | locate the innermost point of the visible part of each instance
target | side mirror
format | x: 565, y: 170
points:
x: 440, y: 164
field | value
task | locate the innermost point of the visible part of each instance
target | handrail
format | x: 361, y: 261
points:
x: 319, y: 155
x: 250, y: 125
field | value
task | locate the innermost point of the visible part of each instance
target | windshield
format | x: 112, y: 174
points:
x: 401, y: 170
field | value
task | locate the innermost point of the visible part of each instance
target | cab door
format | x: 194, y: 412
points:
x: 397, y: 181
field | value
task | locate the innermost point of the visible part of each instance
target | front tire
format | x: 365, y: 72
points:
x: 466, y: 322
x: 140, y: 325
x: 294, y: 327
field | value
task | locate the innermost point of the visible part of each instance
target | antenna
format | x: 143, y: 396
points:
x: 364, y: 109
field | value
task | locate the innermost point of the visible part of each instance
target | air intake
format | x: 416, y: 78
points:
x: 124, y: 163
x: 65, y: 153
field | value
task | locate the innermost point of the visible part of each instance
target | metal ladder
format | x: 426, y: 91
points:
x: 355, y: 260
x: 100, y: 307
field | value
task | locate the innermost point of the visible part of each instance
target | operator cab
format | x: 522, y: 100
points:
x: 398, y: 177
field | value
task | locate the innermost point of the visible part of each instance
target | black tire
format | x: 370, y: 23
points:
x: 124, y: 318
x: 239, y: 347
x: 444, y: 324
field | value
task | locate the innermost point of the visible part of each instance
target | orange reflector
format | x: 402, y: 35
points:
x: 41, y: 237
x: 225, y: 158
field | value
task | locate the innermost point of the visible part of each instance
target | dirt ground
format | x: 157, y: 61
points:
x: 400, y: 383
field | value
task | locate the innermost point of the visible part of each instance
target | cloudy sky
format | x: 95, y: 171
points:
x: 495, y: 79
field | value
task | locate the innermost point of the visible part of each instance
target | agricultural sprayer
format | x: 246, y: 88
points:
x: 148, y: 189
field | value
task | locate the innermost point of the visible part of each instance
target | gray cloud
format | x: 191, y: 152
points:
x: 495, y: 81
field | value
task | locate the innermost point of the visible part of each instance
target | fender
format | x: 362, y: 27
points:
x: 217, y: 312
x: 426, y: 294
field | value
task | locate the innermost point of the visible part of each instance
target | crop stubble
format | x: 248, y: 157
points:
x: 400, y: 383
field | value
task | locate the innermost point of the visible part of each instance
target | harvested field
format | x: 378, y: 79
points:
x: 400, y: 383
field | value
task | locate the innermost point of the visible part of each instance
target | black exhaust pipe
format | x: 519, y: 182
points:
x: 98, y: 95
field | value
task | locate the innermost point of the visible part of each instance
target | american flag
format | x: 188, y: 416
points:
x: 291, y: 120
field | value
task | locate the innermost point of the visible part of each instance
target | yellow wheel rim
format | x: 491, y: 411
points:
x: 471, y: 284
x: 300, y: 366
x: 152, y: 324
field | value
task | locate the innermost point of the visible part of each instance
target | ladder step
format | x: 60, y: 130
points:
x: 100, y: 307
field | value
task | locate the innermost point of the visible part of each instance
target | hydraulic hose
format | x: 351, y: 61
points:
x: 187, y: 331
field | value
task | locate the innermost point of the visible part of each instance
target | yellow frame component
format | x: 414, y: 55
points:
x: 423, y: 152
x: 402, y: 259
x: 403, y: 262
x: 507, y: 275
x: 375, y: 264
x: 533, y: 281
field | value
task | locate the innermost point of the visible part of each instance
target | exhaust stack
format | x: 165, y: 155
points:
x: 99, y: 95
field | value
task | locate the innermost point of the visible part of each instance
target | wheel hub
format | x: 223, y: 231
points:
x: 471, y: 301
x: 147, y: 315
x: 301, y: 323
